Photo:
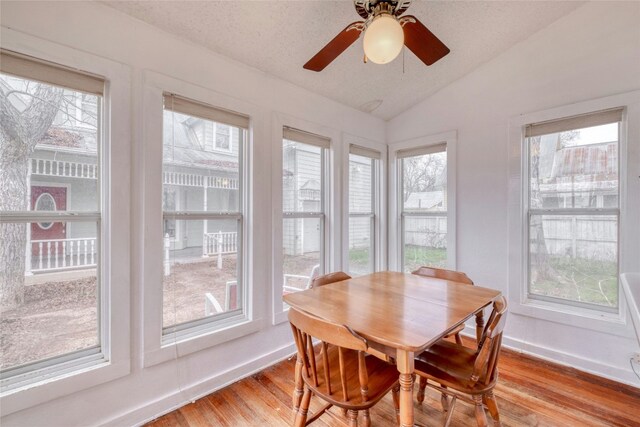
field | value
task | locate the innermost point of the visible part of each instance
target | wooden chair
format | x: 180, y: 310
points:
x: 325, y: 279
x: 315, y: 282
x: 461, y: 371
x: 342, y: 374
x: 454, y: 276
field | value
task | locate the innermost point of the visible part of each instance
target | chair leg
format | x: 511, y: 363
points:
x: 352, y: 416
x: 298, y: 389
x: 449, y: 415
x: 444, y: 400
x: 481, y: 417
x: 396, y: 401
x: 366, y: 418
x: 458, y: 339
x: 301, y: 416
x: 492, y: 405
x: 421, y: 388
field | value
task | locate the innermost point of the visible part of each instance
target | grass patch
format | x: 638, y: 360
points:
x: 583, y: 280
x: 417, y: 256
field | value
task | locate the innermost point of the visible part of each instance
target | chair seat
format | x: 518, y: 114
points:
x: 451, y: 365
x: 382, y: 377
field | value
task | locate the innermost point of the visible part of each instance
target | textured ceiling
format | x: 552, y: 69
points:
x: 278, y: 37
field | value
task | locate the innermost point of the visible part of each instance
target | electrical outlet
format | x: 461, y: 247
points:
x: 636, y: 358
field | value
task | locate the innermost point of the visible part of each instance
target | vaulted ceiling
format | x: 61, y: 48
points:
x: 278, y: 37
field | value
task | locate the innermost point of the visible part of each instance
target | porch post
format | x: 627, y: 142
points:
x: 167, y: 246
x: 219, y: 250
x: 27, y: 269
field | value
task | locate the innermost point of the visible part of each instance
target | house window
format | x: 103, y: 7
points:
x: 222, y: 139
x: 52, y: 304
x: 303, y: 204
x: 204, y: 211
x: 423, y: 206
x: 363, y: 190
x: 573, y: 209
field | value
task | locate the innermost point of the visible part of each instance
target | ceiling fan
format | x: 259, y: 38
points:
x: 385, y: 32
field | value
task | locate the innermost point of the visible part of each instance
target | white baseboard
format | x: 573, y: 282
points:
x: 184, y: 395
x: 614, y: 373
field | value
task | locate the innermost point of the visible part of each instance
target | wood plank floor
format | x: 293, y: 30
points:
x: 530, y: 392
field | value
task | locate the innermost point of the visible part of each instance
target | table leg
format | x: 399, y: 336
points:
x: 298, y: 388
x: 404, y: 362
x: 479, y: 325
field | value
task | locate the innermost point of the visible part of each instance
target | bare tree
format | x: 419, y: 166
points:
x: 20, y: 131
x: 421, y: 173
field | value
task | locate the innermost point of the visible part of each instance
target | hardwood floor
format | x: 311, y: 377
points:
x: 530, y: 392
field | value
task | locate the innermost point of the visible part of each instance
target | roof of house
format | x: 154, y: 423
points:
x: 424, y: 200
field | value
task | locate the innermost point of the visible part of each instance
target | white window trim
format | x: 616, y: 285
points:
x: 149, y: 155
x: 395, y: 220
x: 629, y: 228
x: 114, y: 361
x: 331, y: 208
x: 380, y: 211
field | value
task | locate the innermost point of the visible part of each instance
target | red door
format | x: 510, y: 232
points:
x: 48, y: 199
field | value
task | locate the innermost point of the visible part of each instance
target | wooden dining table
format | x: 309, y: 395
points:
x: 399, y: 314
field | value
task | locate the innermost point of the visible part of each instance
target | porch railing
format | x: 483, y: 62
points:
x: 219, y: 244
x: 61, y: 254
x: 64, y: 168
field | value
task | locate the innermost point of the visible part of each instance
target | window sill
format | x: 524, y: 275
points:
x: 580, y: 317
x: 188, y: 344
x: 281, y: 317
x: 54, y: 387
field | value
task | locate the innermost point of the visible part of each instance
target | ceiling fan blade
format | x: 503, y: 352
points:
x: 422, y: 42
x: 335, y: 47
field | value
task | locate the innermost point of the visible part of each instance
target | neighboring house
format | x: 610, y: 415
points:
x: 301, y: 193
x: 583, y: 176
x: 200, y: 172
x: 63, y: 177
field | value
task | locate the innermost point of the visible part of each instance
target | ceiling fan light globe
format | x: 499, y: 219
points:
x: 383, y: 39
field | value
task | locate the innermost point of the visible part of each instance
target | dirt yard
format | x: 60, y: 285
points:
x: 186, y: 286
x: 59, y: 317
x: 56, y: 318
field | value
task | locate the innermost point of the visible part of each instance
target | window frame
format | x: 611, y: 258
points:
x: 568, y: 211
x: 204, y: 324
x: 628, y: 229
x: 330, y: 204
x: 113, y: 361
x: 204, y: 333
x: 378, y: 234
x: 396, y: 239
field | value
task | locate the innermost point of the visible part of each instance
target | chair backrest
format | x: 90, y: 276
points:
x: 325, y: 279
x: 305, y: 327
x: 486, y: 363
x: 441, y: 273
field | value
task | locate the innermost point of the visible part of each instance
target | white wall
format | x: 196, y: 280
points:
x: 588, y: 54
x: 104, y: 32
x: 592, y: 52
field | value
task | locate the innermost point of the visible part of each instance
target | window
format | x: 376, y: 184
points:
x: 222, y: 137
x: 422, y: 198
x: 52, y: 178
x: 363, y: 190
x: 573, y: 209
x: 303, y: 203
x: 203, y: 210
